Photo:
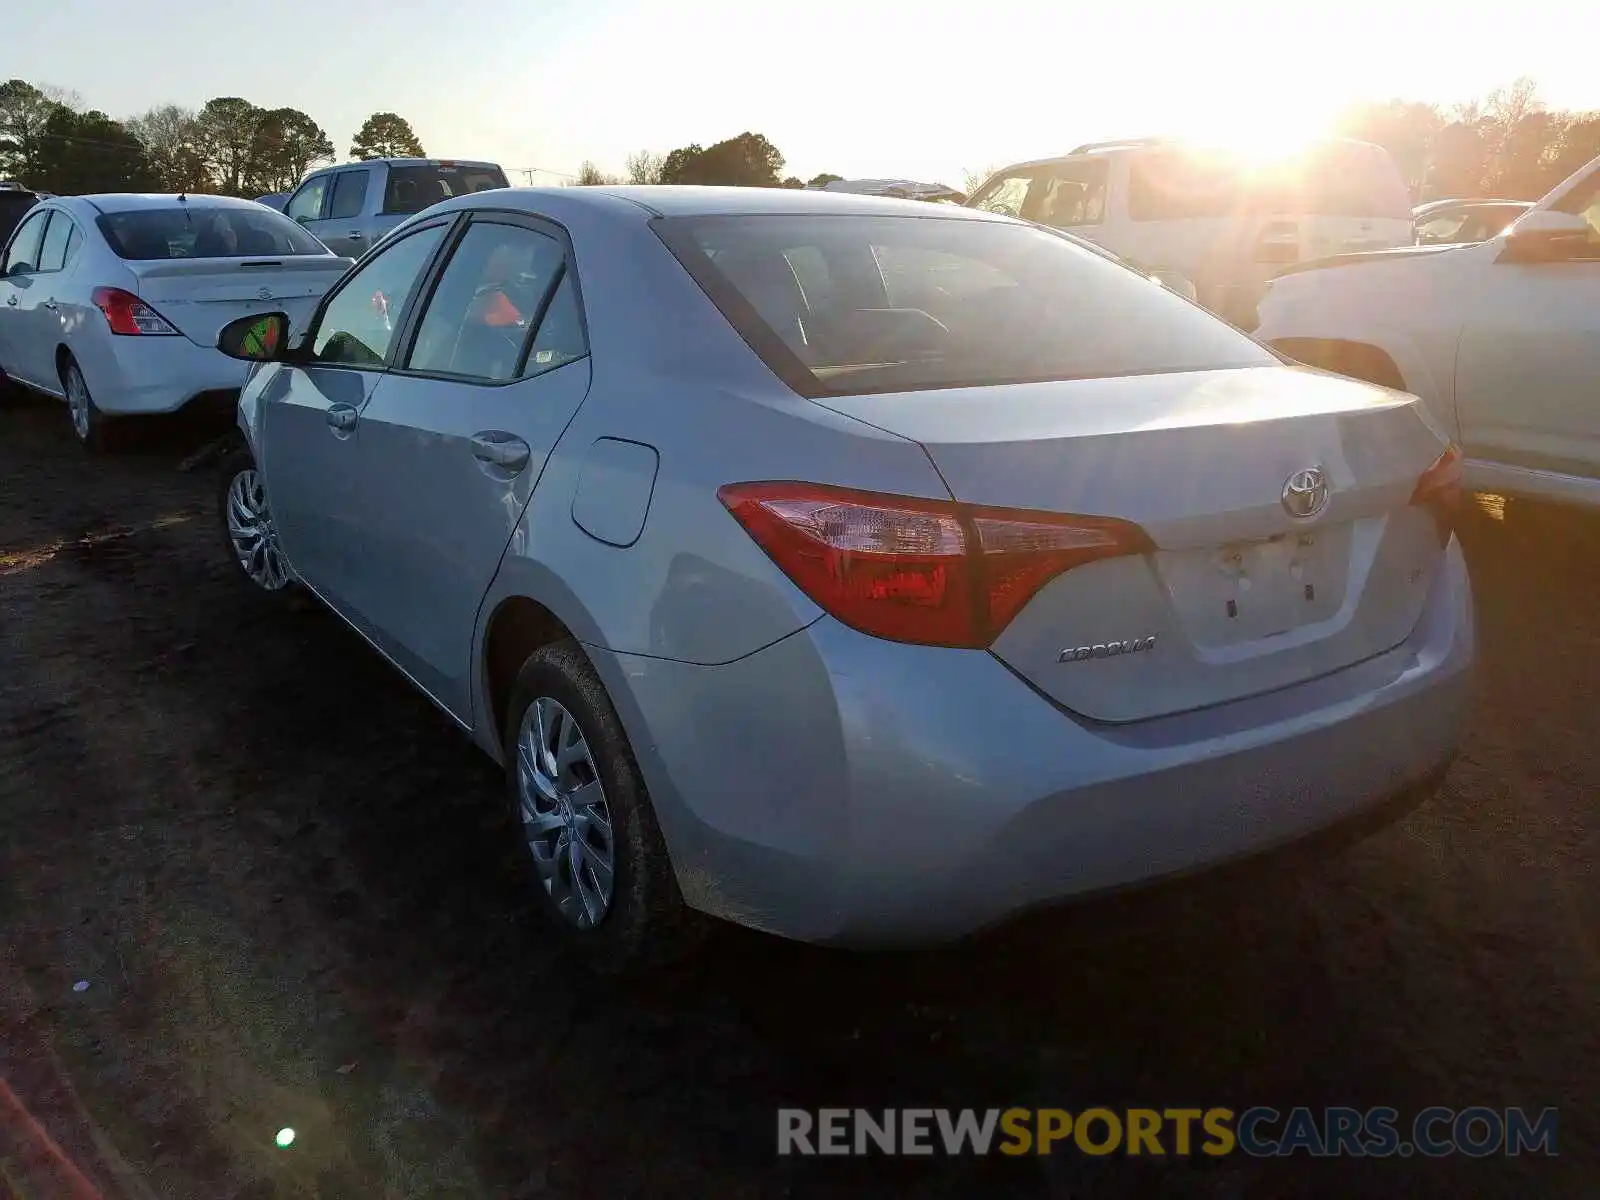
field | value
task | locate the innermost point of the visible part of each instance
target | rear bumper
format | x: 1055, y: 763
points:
x: 838, y: 788
x: 129, y: 375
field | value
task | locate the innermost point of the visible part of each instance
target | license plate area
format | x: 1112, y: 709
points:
x: 1246, y: 591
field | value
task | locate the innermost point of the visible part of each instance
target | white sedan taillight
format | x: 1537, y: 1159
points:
x: 130, y: 316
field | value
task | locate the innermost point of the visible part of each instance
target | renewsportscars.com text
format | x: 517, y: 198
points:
x: 1260, y: 1131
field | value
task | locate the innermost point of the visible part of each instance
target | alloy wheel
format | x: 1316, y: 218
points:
x: 564, y: 814
x: 78, y: 403
x: 254, y: 537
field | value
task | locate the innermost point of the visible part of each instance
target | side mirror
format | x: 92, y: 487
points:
x: 255, y: 339
x: 1545, y: 234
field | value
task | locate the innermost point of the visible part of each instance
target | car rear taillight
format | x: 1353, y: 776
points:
x: 1440, y: 490
x: 933, y: 572
x: 130, y: 316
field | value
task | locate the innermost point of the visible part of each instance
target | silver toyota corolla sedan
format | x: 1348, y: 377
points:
x: 859, y: 570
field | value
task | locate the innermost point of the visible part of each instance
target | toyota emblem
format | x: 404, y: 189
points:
x: 1305, y: 493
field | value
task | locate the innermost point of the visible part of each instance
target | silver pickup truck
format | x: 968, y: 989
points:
x: 349, y: 207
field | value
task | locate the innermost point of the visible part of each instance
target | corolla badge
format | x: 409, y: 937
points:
x: 1305, y: 493
x: 1107, y: 649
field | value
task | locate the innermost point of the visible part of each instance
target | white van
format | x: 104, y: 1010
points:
x: 1220, y: 220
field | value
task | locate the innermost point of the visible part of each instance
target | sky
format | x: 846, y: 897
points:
x: 856, y: 87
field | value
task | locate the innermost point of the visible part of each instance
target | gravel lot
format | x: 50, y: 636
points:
x: 285, y: 880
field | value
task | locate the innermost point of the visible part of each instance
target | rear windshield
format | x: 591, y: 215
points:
x: 205, y: 231
x: 845, y: 304
x: 1340, y: 179
x: 412, y: 189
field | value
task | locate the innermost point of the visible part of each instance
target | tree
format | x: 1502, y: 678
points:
x: 1406, y: 129
x: 590, y: 175
x: 824, y: 180
x: 644, y: 167
x: 971, y: 181
x: 82, y: 153
x: 171, y: 139
x: 748, y: 160
x: 793, y: 181
x: 24, y: 112
x: 286, y: 145
x: 226, y: 134
x: 683, y: 165
x: 386, y: 135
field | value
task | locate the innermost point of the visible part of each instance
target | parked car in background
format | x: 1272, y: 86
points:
x: 15, y: 203
x: 1501, y: 338
x: 1450, y: 221
x: 113, y: 302
x: 1224, y: 222
x: 350, y: 207
x: 899, y: 189
x: 1002, y: 576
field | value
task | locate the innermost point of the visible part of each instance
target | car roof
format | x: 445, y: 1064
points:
x: 142, y: 201
x: 404, y: 162
x: 672, y: 200
x: 1144, y: 145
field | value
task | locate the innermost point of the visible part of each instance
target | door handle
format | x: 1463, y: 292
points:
x: 501, y: 450
x: 355, y: 235
x: 343, y: 417
x: 50, y: 304
x: 12, y: 301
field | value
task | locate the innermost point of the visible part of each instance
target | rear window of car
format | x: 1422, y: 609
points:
x: 847, y: 305
x: 1338, y: 179
x: 205, y: 231
x: 412, y: 189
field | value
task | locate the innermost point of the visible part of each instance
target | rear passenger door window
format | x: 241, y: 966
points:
x: 53, y: 250
x: 1069, y: 194
x: 349, y: 194
x: 561, y: 338
x: 502, y: 309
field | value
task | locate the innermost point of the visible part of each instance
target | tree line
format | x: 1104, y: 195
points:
x: 1508, y: 144
x: 749, y: 160
x: 50, y: 142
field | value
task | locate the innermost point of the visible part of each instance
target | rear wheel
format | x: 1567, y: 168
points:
x: 600, y: 866
x: 93, y: 428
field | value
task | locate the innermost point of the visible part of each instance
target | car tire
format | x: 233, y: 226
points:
x: 644, y: 922
x: 95, y: 431
x: 248, y: 532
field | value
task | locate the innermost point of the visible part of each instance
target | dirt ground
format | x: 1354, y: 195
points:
x: 287, y: 884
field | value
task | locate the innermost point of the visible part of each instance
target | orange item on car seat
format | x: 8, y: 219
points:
x: 501, y: 311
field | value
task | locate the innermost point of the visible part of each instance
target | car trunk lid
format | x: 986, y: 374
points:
x: 201, y: 295
x: 1238, y: 596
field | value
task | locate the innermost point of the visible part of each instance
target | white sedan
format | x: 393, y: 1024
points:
x: 1501, y: 338
x: 113, y: 302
